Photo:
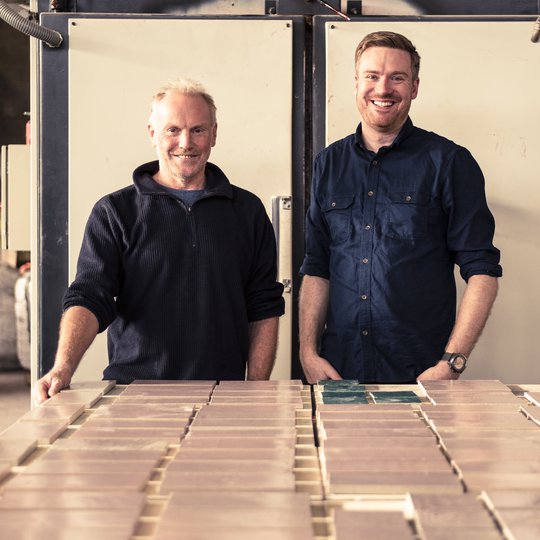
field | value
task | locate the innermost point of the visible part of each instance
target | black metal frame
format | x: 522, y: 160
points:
x: 308, y: 138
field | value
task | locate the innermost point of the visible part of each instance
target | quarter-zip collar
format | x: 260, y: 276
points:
x: 217, y: 184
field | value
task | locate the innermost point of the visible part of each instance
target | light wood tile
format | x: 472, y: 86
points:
x: 100, y: 454
x: 258, y: 499
x: 68, y: 412
x: 72, y: 500
x: 393, y: 482
x: 250, y: 481
x: 171, y: 436
x: 15, y: 451
x: 111, y: 444
x: 43, y: 433
x: 256, y: 433
x: 89, y: 467
x: 352, y: 525
x: 132, y: 481
x: 507, y: 498
x: 236, y: 442
x: 274, y: 454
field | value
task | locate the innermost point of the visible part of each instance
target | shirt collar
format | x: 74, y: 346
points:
x: 404, y: 132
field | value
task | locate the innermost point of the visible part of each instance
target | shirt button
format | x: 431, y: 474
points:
x: 364, y: 297
x: 365, y: 261
x: 374, y: 162
x: 367, y: 227
x: 333, y: 205
x: 370, y: 193
x: 365, y: 332
x: 408, y: 198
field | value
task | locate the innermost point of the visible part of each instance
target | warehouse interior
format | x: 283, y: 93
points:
x: 325, y: 461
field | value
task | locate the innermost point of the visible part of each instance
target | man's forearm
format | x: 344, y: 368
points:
x: 474, y: 311
x: 262, y: 348
x: 473, y: 314
x: 313, y: 305
x: 78, y: 329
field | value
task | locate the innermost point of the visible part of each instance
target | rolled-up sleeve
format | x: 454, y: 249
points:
x: 97, y: 281
x: 471, y: 225
x: 317, y: 256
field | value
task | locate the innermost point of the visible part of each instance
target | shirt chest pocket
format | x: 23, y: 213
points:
x: 407, y: 215
x: 338, y: 214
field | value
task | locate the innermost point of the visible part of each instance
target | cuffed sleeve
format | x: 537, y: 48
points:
x: 471, y: 225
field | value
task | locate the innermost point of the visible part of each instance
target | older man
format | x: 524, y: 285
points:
x: 180, y: 266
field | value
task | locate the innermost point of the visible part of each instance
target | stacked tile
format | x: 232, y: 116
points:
x: 44, y: 424
x: 480, y: 392
x: 531, y: 408
x: 352, y: 524
x: 481, y: 428
x: 233, y: 515
x: 533, y: 397
x: 243, y: 440
x: 380, y: 449
x: 517, y: 512
x: 242, y: 446
x: 451, y: 517
x: 67, y: 515
x: 117, y: 447
x: 154, y: 411
x: 63, y: 494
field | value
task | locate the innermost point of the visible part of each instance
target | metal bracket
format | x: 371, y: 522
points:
x: 286, y: 203
x: 354, y: 8
x: 270, y: 7
x: 287, y: 285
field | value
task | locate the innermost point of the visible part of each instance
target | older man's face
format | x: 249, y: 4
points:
x: 183, y: 131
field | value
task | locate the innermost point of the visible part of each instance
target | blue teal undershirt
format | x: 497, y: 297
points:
x: 187, y: 196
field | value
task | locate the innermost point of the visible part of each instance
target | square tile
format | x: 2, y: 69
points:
x: 15, y: 451
x: 42, y: 432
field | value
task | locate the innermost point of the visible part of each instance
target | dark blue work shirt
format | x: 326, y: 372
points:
x: 386, y: 230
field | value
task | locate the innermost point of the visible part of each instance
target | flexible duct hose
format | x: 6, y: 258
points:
x: 30, y: 28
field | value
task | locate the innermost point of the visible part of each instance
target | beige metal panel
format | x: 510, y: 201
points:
x: 115, y: 66
x: 479, y: 86
x: 16, y: 197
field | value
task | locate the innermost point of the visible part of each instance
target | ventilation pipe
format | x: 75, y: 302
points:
x: 51, y: 37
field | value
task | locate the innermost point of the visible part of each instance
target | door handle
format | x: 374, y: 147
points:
x: 282, y: 224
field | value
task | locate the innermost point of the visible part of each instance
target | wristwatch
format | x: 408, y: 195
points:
x: 456, y: 361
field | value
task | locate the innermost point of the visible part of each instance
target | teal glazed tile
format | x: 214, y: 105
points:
x: 344, y: 393
x: 345, y: 399
x: 343, y: 383
x: 405, y: 396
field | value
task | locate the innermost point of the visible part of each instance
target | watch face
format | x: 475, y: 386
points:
x: 459, y: 362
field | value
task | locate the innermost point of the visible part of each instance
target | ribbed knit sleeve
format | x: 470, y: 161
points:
x: 97, y: 282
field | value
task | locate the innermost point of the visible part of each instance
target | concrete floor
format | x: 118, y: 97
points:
x: 14, y: 389
x: 14, y: 397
